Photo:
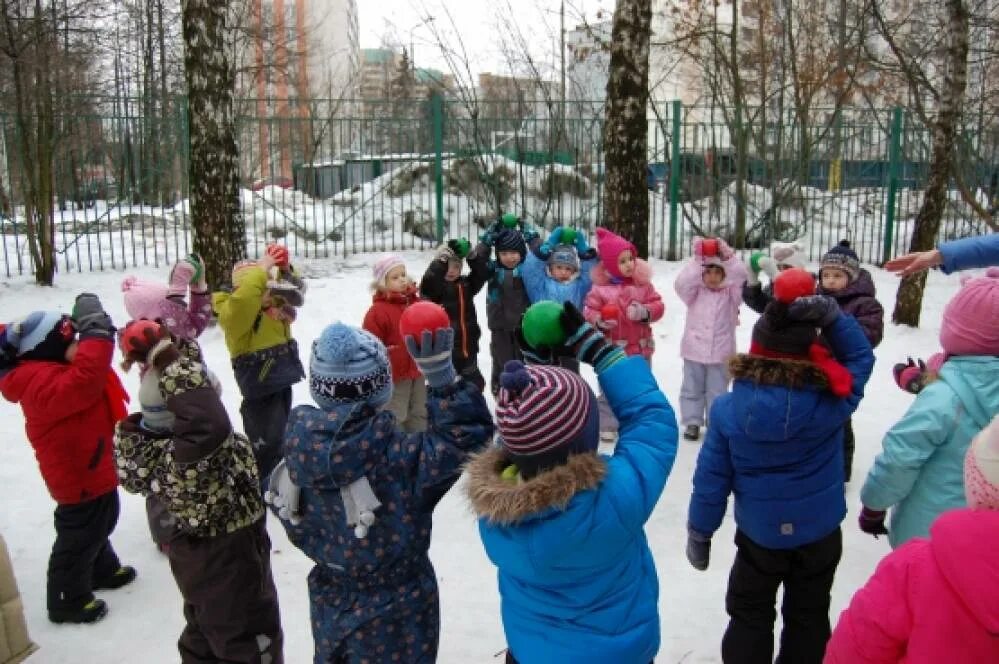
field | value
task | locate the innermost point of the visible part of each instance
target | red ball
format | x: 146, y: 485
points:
x: 793, y: 283
x: 609, y: 311
x: 709, y: 247
x: 421, y: 316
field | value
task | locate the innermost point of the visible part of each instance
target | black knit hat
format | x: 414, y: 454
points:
x: 776, y: 332
x: 842, y: 257
x: 510, y: 239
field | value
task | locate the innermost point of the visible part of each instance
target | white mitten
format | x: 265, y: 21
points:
x: 284, y: 494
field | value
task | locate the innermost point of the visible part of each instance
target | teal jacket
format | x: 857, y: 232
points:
x: 920, y: 471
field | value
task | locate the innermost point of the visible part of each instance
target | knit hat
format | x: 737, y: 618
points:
x: 510, y: 239
x: 142, y: 298
x: 544, y: 414
x: 842, y: 257
x: 609, y: 247
x: 793, y: 283
x: 969, y: 319
x: 564, y: 254
x: 777, y: 333
x: 349, y: 365
x: 41, y: 335
x: 981, y: 468
x: 788, y: 253
x: 384, y: 265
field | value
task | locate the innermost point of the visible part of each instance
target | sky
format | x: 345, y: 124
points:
x: 480, y: 25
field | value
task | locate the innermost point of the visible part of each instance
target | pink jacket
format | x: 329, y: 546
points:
x: 709, y: 330
x: 932, y: 600
x: 634, y: 336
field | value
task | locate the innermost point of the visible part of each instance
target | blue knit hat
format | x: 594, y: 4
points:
x: 41, y: 335
x: 564, y: 254
x: 349, y: 365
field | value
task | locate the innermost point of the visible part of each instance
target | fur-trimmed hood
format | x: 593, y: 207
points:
x: 641, y: 277
x: 504, y: 502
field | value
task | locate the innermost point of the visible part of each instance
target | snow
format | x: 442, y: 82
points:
x: 146, y: 617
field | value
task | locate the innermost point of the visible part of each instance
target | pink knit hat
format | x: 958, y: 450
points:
x: 609, y: 246
x: 143, y: 298
x: 384, y: 265
x: 981, y: 468
x: 969, y: 319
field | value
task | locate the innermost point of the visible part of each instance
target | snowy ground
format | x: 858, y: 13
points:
x: 145, y: 617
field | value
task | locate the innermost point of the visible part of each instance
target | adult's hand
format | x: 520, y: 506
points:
x: 914, y: 263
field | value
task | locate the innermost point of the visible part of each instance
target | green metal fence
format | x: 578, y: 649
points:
x: 333, y: 177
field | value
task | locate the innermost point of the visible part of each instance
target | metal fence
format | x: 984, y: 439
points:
x: 341, y: 177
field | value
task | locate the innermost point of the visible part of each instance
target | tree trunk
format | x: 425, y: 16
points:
x: 909, y: 301
x: 626, y: 196
x: 219, y: 232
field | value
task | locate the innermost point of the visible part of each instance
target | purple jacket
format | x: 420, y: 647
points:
x: 857, y: 299
x: 186, y: 322
x: 712, y: 315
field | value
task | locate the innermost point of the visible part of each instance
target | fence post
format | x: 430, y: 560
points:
x: 674, y: 179
x: 437, y: 102
x: 894, y: 157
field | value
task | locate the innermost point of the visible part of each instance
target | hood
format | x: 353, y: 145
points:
x: 406, y: 297
x: 15, y: 382
x: 962, y: 542
x: 641, y: 277
x: 333, y: 448
x: 862, y: 286
x: 973, y: 379
x: 506, y: 502
x: 775, y: 399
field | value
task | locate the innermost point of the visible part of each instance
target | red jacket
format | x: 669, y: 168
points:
x: 70, y: 411
x: 382, y: 320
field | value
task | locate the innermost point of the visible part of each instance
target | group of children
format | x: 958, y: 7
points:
x: 355, y: 478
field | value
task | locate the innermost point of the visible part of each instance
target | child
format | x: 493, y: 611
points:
x: 564, y: 526
x: 710, y: 285
x: 842, y: 278
x: 206, y: 477
x: 444, y: 284
x: 71, y: 399
x: 506, y: 296
x: 933, y: 600
x: 368, y: 490
x: 256, y: 319
x: 775, y: 441
x: 393, y: 292
x: 919, y: 470
x: 185, y: 322
x: 783, y: 255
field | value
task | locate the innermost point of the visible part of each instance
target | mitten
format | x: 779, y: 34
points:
x: 280, y: 255
x: 872, y: 522
x: 148, y: 342
x: 554, y: 239
x: 284, y: 495
x: 820, y: 310
x: 725, y: 252
x: 433, y: 356
x: 182, y: 275
x: 488, y: 237
x: 460, y: 247
x: 91, y: 319
x: 910, y: 376
x: 530, y: 235
x: 586, y: 342
x: 637, y: 312
x: 445, y: 254
x: 698, y: 549
x: 580, y: 243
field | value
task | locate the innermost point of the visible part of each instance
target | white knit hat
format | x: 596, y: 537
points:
x: 788, y: 253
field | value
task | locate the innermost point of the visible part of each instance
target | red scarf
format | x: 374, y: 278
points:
x: 840, y: 380
x: 116, y: 395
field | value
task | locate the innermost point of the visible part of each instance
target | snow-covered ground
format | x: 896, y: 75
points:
x: 145, y: 617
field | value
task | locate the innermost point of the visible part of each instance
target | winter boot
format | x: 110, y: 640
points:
x: 122, y: 577
x: 692, y: 432
x: 90, y: 612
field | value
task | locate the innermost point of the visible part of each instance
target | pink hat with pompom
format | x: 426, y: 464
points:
x: 969, y: 319
x: 609, y: 247
x: 384, y: 265
x: 981, y: 468
x: 143, y: 299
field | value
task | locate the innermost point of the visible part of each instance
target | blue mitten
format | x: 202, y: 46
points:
x: 553, y: 241
x: 284, y: 495
x: 580, y: 243
x: 433, y: 356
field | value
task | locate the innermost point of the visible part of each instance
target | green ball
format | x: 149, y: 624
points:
x: 542, y: 324
x: 568, y: 236
x: 510, y: 220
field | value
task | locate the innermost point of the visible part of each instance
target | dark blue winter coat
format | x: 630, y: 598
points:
x: 576, y: 577
x: 776, y: 442
x: 357, y: 581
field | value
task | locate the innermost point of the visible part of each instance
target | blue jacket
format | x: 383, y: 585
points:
x: 409, y: 473
x: 776, y: 442
x: 920, y: 470
x: 576, y: 577
x: 541, y: 286
x: 970, y: 252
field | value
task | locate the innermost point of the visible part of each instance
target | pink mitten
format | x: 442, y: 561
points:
x: 180, y: 277
x: 724, y: 251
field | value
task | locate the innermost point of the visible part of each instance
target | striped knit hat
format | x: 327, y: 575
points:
x: 545, y: 414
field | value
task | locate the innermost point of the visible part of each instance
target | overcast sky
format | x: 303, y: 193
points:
x: 483, y: 26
